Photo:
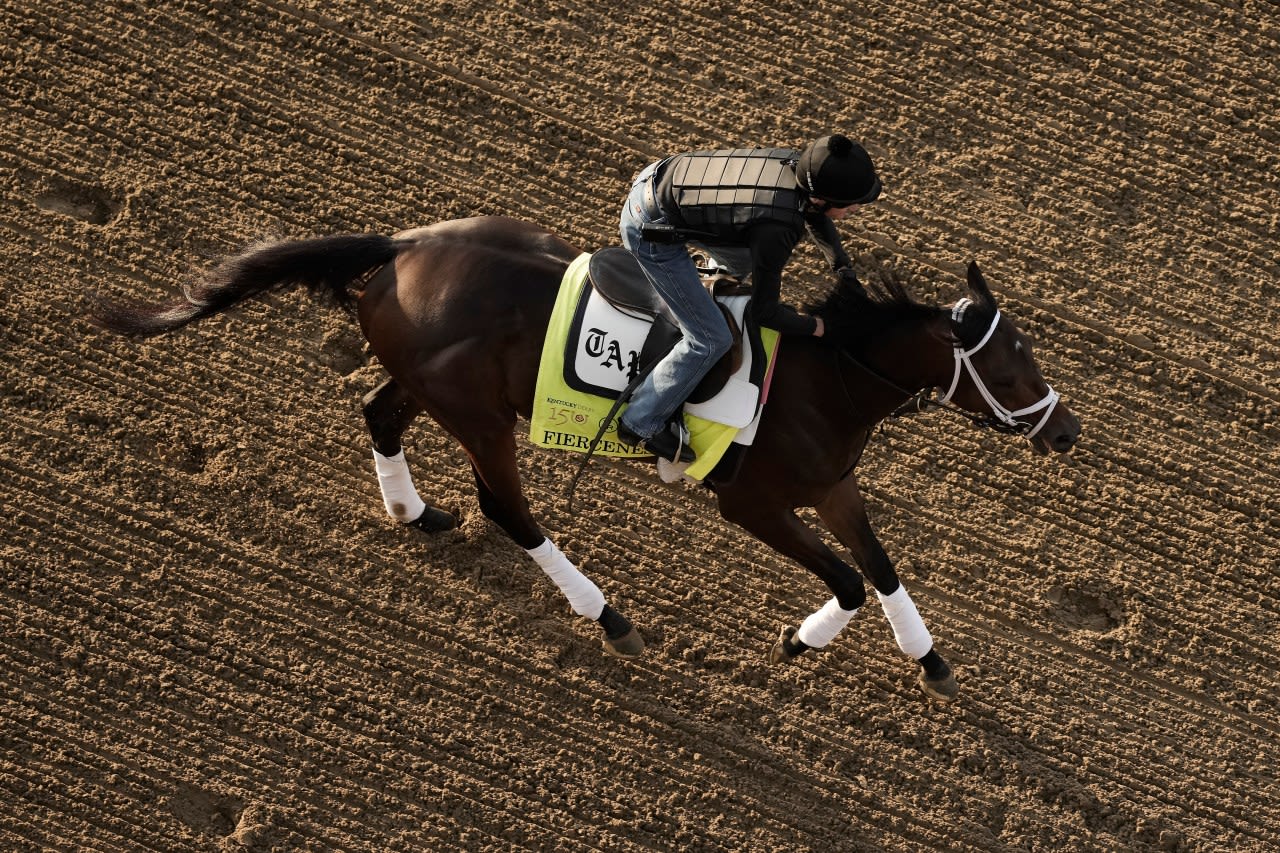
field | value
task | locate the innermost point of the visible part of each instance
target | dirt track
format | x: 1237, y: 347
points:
x: 212, y: 636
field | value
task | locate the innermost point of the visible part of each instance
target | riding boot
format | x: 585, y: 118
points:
x: 670, y: 443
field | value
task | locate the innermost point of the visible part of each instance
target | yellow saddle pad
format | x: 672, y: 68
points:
x: 568, y: 419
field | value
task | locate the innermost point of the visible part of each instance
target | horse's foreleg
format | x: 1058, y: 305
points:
x: 844, y: 512
x: 781, y: 529
x: 502, y: 500
x: 388, y: 410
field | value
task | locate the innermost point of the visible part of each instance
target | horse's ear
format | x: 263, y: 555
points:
x: 946, y: 329
x: 978, y: 285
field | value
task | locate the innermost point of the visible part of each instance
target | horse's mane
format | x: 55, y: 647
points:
x: 855, y: 316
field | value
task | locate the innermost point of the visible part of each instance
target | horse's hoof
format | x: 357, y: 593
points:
x: 621, y: 639
x: 944, y: 689
x: 780, y: 652
x: 630, y: 645
x: 433, y: 520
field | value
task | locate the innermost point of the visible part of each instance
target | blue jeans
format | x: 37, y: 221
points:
x: 706, y: 336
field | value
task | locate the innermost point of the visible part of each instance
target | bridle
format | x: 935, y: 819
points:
x: 1001, y: 419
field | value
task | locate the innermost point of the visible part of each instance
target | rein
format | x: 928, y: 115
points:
x: 1000, y: 419
x: 918, y: 401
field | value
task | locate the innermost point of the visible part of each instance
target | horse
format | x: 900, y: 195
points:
x: 456, y: 312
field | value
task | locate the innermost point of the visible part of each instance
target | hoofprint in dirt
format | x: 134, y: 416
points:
x: 213, y: 637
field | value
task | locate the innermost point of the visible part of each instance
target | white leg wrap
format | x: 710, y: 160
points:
x: 398, y: 493
x: 585, y: 597
x: 908, y: 628
x: 821, y: 627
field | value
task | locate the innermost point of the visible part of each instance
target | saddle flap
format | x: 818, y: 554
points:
x: 616, y: 275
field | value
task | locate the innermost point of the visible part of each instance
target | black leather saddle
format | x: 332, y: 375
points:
x: 616, y: 275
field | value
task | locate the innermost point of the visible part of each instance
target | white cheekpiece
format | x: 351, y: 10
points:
x: 398, y: 493
x: 585, y: 597
x: 821, y: 627
x: 908, y: 628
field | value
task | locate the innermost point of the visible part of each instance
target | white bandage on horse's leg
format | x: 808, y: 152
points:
x: 908, y: 628
x: 585, y: 597
x: 821, y: 627
x: 398, y: 493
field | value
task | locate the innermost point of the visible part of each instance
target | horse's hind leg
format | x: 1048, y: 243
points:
x: 388, y: 410
x: 502, y: 500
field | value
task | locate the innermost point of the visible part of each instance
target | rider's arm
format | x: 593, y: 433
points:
x: 771, y: 247
x: 823, y: 232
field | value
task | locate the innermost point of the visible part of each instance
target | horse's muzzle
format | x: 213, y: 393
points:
x: 1059, y: 435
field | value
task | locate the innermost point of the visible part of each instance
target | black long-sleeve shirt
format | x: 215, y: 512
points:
x: 771, y: 246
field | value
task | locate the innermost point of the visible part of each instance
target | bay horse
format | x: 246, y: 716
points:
x: 456, y: 312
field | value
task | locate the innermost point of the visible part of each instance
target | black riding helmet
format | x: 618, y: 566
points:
x: 839, y: 170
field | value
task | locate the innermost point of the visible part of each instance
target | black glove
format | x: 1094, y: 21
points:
x: 846, y: 275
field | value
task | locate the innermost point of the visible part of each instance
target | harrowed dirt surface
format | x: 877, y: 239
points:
x: 212, y: 636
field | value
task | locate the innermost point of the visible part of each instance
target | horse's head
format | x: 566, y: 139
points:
x: 996, y: 376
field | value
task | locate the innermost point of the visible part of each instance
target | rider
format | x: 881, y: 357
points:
x: 748, y: 207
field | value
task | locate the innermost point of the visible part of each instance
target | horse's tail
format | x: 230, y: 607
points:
x: 325, y: 265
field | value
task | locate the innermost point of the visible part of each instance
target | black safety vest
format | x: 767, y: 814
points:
x: 722, y: 193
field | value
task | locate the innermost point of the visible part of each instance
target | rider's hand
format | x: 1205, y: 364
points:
x: 847, y: 274
x: 847, y: 280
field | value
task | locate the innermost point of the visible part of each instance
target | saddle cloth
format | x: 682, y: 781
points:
x: 590, y: 354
